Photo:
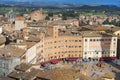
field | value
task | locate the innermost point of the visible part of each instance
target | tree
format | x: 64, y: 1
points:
x: 50, y: 14
x: 47, y: 18
x: 118, y: 23
x: 106, y: 21
x: 64, y: 17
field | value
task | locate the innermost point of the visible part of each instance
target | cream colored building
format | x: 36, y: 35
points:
x: 19, y: 23
x: 61, y: 45
x: 29, y: 48
x: 58, y: 43
x: 99, y: 45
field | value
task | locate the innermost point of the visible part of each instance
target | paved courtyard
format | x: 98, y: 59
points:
x: 89, y: 68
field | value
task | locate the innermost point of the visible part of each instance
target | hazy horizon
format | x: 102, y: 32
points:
x: 88, y: 2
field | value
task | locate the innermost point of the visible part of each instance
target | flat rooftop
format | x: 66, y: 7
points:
x: 12, y: 51
x: 110, y: 29
x: 15, y: 51
x: 72, y: 31
x: 96, y: 34
x: 37, y: 24
x: 28, y: 44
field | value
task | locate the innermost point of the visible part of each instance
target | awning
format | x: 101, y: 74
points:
x: 71, y: 59
x: 108, y: 58
x: 55, y: 61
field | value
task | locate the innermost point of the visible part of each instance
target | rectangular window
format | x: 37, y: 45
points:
x: 102, y: 39
x: 113, y: 52
x: 102, y: 52
x: 65, y: 40
x: 75, y: 46
x: 96, y: 52
x: 75, y: 40
x: 85, y: 40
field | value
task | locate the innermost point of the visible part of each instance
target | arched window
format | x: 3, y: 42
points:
x: 79, y: 55
x: 69, y: 55
x: 55, y: 57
